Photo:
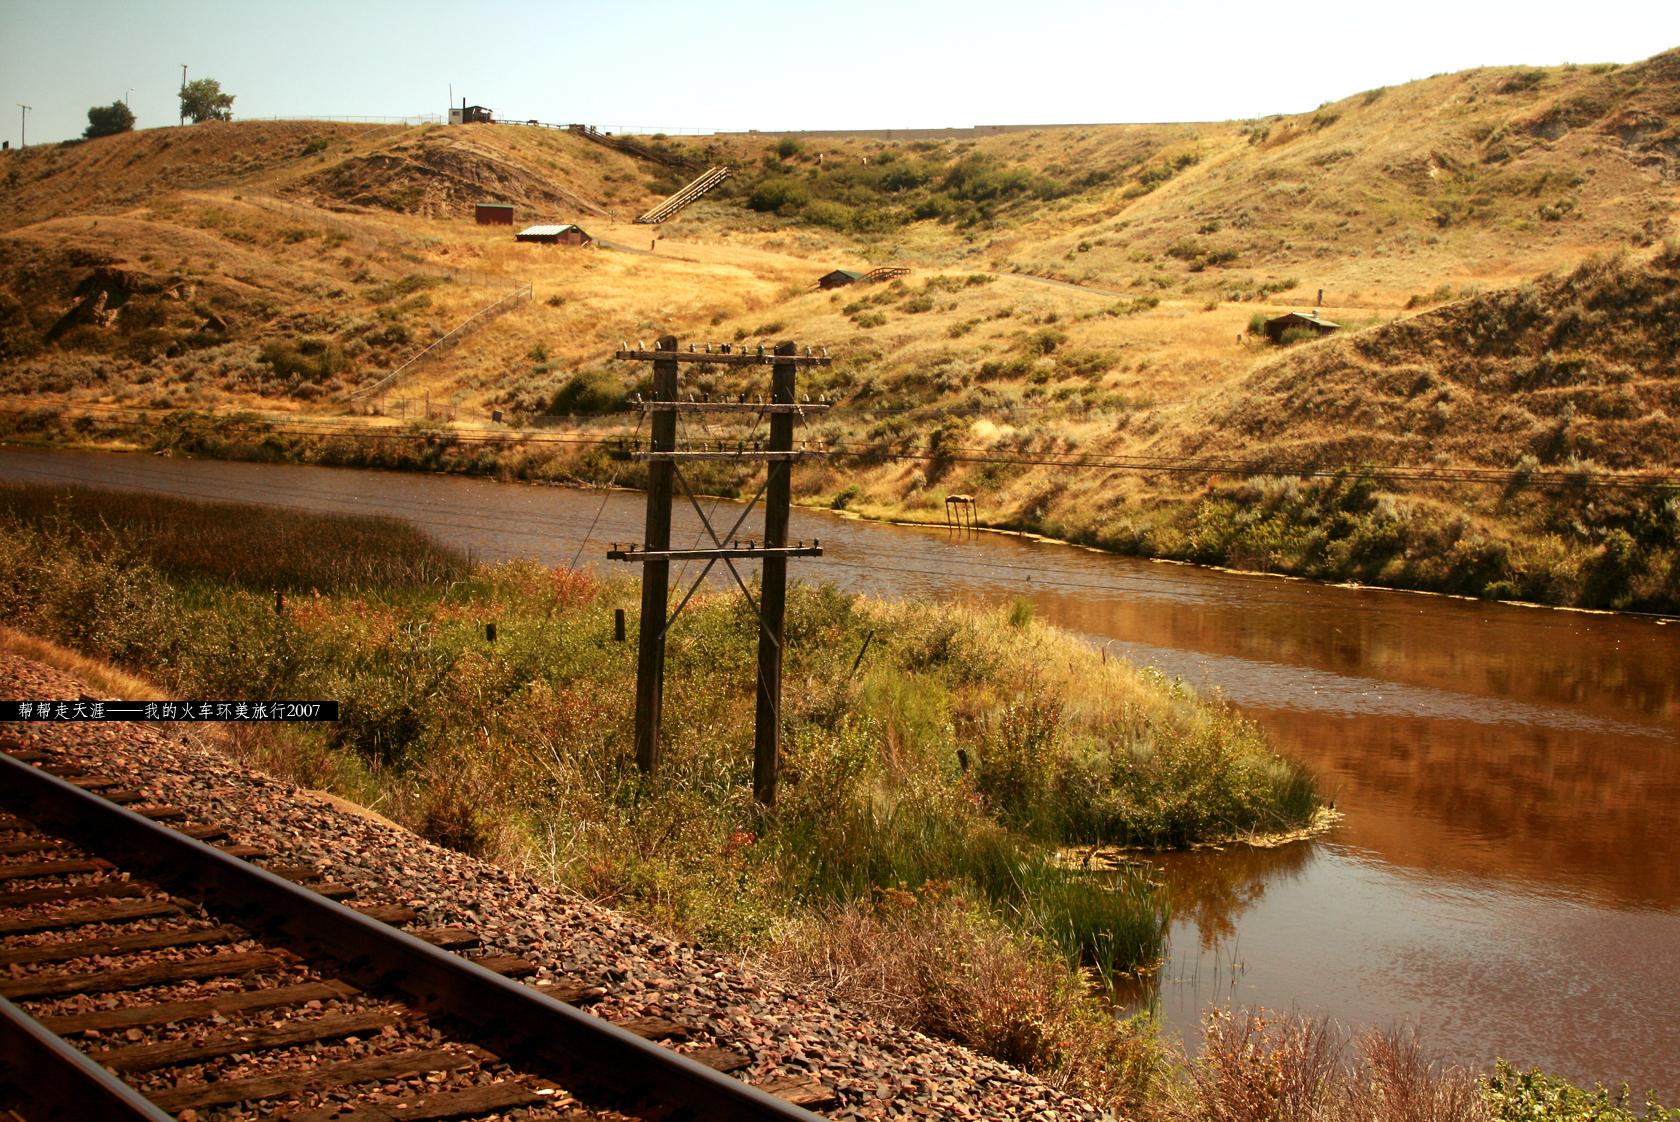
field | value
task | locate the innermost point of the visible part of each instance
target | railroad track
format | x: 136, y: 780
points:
x: 152, y: 969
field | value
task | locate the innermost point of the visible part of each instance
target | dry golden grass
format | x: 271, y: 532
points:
x: 112, y: 683
x: 1390, y: 202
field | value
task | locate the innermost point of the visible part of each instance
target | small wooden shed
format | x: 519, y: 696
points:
x: 493, y: 214
x: 565, y: 234
x: 1276, y: 326
x: 838, y: 277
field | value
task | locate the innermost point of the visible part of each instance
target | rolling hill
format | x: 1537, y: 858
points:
x: 1497, y: 244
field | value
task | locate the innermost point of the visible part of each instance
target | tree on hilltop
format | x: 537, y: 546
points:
x: 204, y: 100
x: 108, y: 120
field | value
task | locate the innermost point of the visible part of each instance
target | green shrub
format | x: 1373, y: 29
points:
x: 589, y: 393
x: 1522, y: 81
x: 308, y: 359
x: 1534, y: 1096
x: 1043, y: 341
x: 780, y: 195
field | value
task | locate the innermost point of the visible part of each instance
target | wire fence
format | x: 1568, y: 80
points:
x: 421, y: 119
x: 519, y: 296
x: 474, y: 277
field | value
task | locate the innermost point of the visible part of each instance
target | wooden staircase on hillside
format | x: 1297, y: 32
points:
x: 885, y: 272
x: 707, y: 180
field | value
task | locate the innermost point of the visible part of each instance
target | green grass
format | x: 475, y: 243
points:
x: 473, y: 736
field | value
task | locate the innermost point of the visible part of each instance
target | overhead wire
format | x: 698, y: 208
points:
x: 605, y: 496
x: 951, y: 568
x: 1166, y: 465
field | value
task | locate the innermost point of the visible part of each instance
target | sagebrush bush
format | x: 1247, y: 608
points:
x: 589, y: 393
x: 309, y: 359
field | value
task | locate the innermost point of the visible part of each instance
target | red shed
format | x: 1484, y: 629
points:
x: 494, y: 214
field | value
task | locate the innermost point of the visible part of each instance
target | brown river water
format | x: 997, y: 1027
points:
x: 1507, y: 874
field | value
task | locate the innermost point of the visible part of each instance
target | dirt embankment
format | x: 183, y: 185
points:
x: 443, y: 176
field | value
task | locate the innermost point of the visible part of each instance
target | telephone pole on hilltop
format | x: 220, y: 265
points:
x: 23, y: 125
x: 183, y: 93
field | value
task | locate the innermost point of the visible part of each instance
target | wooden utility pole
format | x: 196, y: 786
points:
x: 664, y: 459
x: 767, y: 728
x: 656, y: 572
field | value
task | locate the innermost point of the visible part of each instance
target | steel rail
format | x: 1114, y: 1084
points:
x: 592, y: 1056
x: 58, y: 1080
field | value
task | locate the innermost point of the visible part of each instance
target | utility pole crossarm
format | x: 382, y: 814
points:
x: 764, y: 407
x: 723, y: 358
x: 730, y: 552
x: 774, y: 455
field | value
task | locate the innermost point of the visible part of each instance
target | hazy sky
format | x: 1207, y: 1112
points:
x: 735, y: 64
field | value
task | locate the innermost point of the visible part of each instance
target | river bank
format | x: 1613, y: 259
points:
x: 1514, y: 543
x: 902, y: 934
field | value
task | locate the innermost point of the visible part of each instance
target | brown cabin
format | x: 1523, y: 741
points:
x: 493, y: 214
x: 1277, y: 325
x: 837, y: 278
x: 566, y: 234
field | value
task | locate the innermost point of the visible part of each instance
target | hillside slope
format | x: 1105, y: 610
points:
x: 1073, y: 291
x: 1580, y: 369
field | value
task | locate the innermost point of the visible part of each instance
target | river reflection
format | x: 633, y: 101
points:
x: 1583, y: 812
x: 1506, y: 874
x: 1212, y: 889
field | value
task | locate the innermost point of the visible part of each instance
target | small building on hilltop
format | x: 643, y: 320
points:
x: 493, y: 214
x: 1312, y: 321
x: 471, y: 115
x: 566, y: 234
x: 838, y: 277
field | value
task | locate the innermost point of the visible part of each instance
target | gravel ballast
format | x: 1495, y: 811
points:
x: 876, y: 1070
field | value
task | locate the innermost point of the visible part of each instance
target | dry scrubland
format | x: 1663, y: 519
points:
x: 1494, y: 240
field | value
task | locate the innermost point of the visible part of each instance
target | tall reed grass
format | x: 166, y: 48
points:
x: 246, y: 546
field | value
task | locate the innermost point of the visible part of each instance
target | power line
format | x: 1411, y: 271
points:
x: 1545, y: 479
x: 968, y: 571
